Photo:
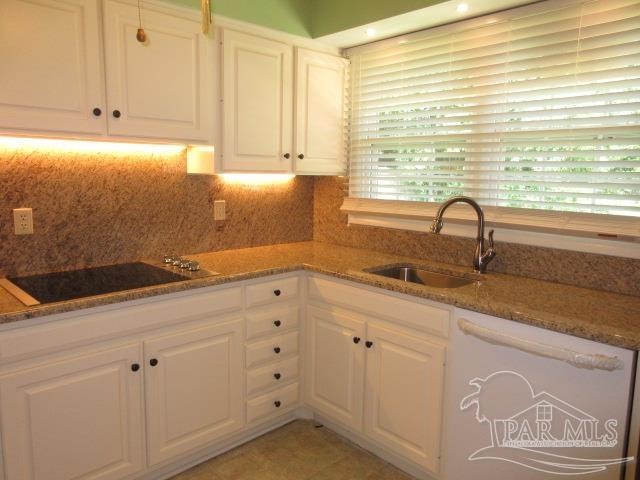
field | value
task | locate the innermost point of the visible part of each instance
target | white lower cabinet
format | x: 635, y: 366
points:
x: 405, y: 382
x: 193, y: 388
x: 335, y: 365
x: 80, y: 417
x: 368, y: 372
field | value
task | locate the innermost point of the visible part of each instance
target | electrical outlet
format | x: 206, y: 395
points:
x: 23, y: 221
x: 219, y: 210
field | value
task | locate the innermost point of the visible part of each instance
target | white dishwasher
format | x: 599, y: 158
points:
x: 529, y: 404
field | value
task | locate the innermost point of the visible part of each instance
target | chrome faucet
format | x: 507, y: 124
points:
x: 481, y: 257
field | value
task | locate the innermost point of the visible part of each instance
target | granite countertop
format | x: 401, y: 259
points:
x: 596, y: 315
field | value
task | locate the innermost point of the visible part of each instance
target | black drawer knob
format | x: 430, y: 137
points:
x: 287, y: 156
x: 277, y: 403
x: 277, y: 323
x: 153, y: 362
x: 135, y: 367
x: 369, y: 344
x: 276, y: 349
x: 116, y: 114
x: 277, y: 376
x: 277, y: 292
x: 97, y: 112
x: 301, y: 156
x: 356, y: 339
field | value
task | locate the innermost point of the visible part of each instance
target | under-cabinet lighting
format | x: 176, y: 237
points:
x: 86, y: 146
x: 257, y: 178
x: 371, y: 32
x: 462, y: 8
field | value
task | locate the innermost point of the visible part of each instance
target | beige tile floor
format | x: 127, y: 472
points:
x: 297, y: 451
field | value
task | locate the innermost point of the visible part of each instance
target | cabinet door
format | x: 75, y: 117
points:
x: 193, y: 387
x: 257, y: 104
x: 404, y: 394
x: 335, y: 365
x: 51, y: 66
x: 320, y: 147
x: 78, y: 418
x: 160, y: 87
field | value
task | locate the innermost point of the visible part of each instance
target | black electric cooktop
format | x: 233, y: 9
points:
x: 60, y: 286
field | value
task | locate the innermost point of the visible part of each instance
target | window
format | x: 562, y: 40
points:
x: 534, y: 108
x: 544, y: 412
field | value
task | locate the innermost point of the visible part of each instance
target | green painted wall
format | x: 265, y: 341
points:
x: 290, y: 16
x: 331, y: 16
x: 311, y: 18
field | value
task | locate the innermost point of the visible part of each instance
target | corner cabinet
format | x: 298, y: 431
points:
x: 53, y: 78
x: 51, y: 57
x: 257, y: 109
x: 280, y: 117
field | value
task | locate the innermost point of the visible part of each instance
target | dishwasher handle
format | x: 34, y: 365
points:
x: 590, y: 361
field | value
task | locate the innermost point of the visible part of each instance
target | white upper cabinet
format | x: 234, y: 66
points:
x: 159, y: 88
x: 50, y: 59
x: 259, y: 101
x: 319, y: 137
x: 257, y: 95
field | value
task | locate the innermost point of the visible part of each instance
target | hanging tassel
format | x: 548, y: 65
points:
x: 141, y: 36
x: 206, y: 15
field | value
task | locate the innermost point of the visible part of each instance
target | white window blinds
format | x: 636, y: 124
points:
x: 538, y: 107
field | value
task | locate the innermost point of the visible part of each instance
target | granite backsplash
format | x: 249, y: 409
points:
x: 600, y: 272
x: 96, y: 208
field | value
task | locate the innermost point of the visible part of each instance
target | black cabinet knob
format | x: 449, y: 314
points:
x: 97, y: 112
x: 135, y: 367
x: 356, y: 339
x: 277, y: 292
x: 277, y: 376
x: 287, y: 156
x: 301, y: 156
x: 277, y: 349
x: 369, y: 344
x: 277, y: 403
x: 116, y: 114
x: 153, y: 362
x: 277, y: 323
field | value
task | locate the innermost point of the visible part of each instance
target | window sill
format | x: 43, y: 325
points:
x: 607, y: 235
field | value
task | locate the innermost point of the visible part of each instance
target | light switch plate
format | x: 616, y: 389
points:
x: 219, y: 210
x: 23, y: 221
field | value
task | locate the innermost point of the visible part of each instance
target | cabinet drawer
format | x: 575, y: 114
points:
x: 272, y: 403
x: 272, y: 375
x: 433, y: 319
x: 272, y: 320
x: 272, y: 349
x: 274, y: 291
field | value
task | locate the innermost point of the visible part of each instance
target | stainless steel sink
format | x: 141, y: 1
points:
x: 422, y: 277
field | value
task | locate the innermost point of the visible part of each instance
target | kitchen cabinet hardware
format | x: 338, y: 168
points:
x: 277, y: 292
x: 135, y: 367
x: 153, y: 362
x: 277, y: 323
x: 277, y: 350
x: 116, y: 114
x: 301, y: 156
x: 97, y: 112
x: 277, y: 376
x: 277, y: 403
x: 369, y: 343
x: 287, y: 156
x: 356, y: 339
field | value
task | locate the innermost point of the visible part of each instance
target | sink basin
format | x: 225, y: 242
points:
x: 422, y: 277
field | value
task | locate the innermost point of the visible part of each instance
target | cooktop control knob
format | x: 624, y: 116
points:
x: 194, y: 266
